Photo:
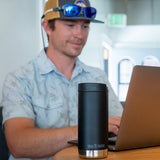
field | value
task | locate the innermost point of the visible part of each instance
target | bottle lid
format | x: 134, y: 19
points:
x: 90, y: 87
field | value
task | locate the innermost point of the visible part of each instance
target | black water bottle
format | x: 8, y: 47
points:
x: 92, y: 120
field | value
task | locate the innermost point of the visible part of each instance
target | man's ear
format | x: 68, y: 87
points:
x: 46, y: 27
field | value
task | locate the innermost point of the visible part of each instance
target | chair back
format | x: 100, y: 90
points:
x: 4, y: 152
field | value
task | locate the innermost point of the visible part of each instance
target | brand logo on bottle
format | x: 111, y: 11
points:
x: 95, y: 146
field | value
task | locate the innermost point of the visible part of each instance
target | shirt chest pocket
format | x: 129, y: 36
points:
x: 50, y: 112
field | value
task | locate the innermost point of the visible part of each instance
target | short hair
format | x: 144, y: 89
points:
x: 52, y: 24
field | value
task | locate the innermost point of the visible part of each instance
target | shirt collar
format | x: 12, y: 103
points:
x: 45, y: 65
x: 80, y: 67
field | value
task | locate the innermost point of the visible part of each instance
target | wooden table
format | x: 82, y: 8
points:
x: 152, y: 153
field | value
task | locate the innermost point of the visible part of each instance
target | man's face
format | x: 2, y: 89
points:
x: 69, y: 37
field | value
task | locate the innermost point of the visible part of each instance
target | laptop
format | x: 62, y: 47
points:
x: 140, y: 123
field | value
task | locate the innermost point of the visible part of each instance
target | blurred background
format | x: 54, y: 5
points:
x: 129, y: 36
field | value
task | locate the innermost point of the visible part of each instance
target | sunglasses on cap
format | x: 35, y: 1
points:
x: 71, y: 10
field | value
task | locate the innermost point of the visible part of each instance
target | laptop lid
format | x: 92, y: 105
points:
x: 140, y: 123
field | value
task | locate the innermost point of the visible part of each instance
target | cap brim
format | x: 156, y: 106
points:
x: 97, y: 21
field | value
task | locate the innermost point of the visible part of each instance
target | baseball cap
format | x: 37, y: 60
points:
x: 69, y: 9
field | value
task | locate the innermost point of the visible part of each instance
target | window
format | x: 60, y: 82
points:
x: 106, y: 56
x: 125, y: 67
x: 150, y: 61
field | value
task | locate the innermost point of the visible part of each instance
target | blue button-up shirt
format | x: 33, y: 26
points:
x: 40, y: 92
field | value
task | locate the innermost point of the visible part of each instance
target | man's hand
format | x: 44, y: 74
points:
x: 113, y: 126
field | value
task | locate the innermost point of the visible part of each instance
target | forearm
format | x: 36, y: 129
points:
x: 40, y: 143
x: 45, y: 142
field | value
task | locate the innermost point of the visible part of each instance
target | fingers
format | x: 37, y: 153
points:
x: 114, y: 121
x: 113, y: 126
x: 113, y: 130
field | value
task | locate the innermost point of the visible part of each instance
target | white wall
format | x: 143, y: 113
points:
x: 19, y: 34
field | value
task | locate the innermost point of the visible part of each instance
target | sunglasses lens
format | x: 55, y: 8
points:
x: 90, y: 12
x: 72, y: 10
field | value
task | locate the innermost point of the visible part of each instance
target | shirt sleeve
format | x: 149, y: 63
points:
x: 15, y: 101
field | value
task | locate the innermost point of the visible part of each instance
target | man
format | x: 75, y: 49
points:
x: 40, y: 99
